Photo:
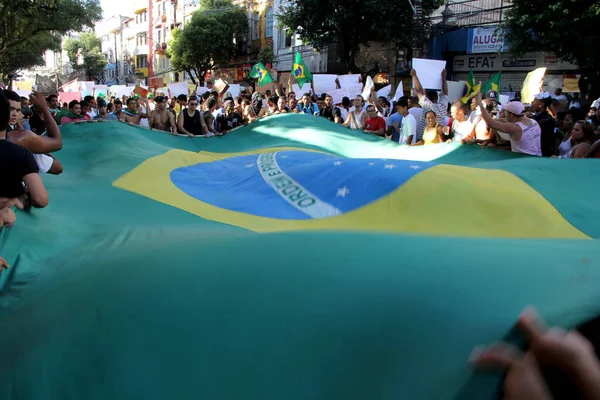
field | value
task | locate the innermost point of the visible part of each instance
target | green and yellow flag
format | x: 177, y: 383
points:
x: 471, y: 87
x: 171, y: 271
x: 301, y: 71
x: 260, y: 72
x: 492, y: 84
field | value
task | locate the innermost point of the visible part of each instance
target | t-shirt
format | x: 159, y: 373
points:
x: 461, y: 130
x: 375, y: 124
x: 408, y: 128
x: 15, y: 163
x: 228, y: 122
x: 311, y: 109
x: 395, y: 117
x: 417, y: 113
x: 332, y: 114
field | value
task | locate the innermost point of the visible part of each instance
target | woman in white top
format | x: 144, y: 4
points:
x: 579, y: 142
x: 357, y: 117
x: 525, y: 133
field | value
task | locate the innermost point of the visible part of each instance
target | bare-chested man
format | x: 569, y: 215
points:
x: 133, y: 114
x: 162, y: 119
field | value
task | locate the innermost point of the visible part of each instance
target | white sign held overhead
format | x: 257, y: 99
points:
x: 429, y: 72
x: 349, y: 80
x: 324, y: 83
x: 338, y: 95
x: 369, y: 85
x: 455, y: 90
x: 385, y: 92
x: 399, y: 91
x: 178, y: 88
x: 353, y: 91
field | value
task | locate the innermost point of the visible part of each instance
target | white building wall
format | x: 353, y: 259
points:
x: 285, y: 52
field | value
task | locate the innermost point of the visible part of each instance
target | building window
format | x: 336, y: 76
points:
x: 158, y: 36
x: 141, y: 62
x: 137, y: 19
x: 285, y: 39
x: 256, y: 26
x: 269, y: 23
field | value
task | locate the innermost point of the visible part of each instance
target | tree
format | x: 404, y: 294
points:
x: 89, y: 46
x: 207, y: 41
x: 29, y: 28
x: 568, y: 29
x: 352, y: 23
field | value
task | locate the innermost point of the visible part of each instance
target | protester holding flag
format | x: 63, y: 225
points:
x: 493, y: 85
x: 300, y: 71
x: 471, y: 87
x: 259, y: 72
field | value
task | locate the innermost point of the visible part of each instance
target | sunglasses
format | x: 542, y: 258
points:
x: 193, y: 104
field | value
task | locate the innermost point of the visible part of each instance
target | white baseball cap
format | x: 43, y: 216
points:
x: 514, y: 107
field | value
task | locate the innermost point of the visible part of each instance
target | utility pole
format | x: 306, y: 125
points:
x: 116, y: 58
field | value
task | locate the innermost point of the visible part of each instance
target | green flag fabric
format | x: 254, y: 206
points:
x: 289, y: 259
x: 492, y: 84
x: 260, y: 72
x: 301, y: 71
x: 471, y: 87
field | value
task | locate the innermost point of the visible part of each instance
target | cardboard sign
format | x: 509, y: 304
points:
x: 220, y: 86
x: 140, y: 91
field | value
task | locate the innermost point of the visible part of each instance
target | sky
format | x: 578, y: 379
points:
x: 110, y: 7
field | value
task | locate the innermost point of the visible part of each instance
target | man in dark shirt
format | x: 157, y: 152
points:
x: 331, y: 112
x: 18, y: 166
x: 549, y: 141
x: 229, y: 119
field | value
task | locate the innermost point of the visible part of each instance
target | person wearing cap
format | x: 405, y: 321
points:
x: 525, y: 133
x: 161, y: 119
x: 550, y: 140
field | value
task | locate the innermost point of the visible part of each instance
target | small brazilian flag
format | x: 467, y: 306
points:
x: 492, y: 84
x: 300, y: 71
x: 471, y: 87
x: 259, y: 71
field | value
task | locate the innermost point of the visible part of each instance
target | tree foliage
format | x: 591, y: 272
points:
x: 352, y: 23
x: 89, y: 46
x: 568, y: 29
x: 207, y: 40
x: 28, y: 28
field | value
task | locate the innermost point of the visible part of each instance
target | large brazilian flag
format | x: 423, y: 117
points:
x: 290, y: 259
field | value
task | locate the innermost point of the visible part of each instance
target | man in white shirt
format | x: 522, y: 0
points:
x: 462, y: 128
x: 408, y: 128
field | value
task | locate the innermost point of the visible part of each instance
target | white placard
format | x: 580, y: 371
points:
x: 300, y: 92
x: 86, y: 86
x: 338, y: 95
x: 455, y: 90
x: 366, y: 93
x: 532, y: 85
x: 385, y: 92
x: 121, y: 90
x: 234, y: 89
x: 353, y: 90
x: 429, y: 72
x: 324, y: 83
x: 399, y: 91
x: 349, y: 80
x: 178, y: 88
x: 504, y: 99
x: 100, y: 89
x: 200, y: 90
x: 23, y: 93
